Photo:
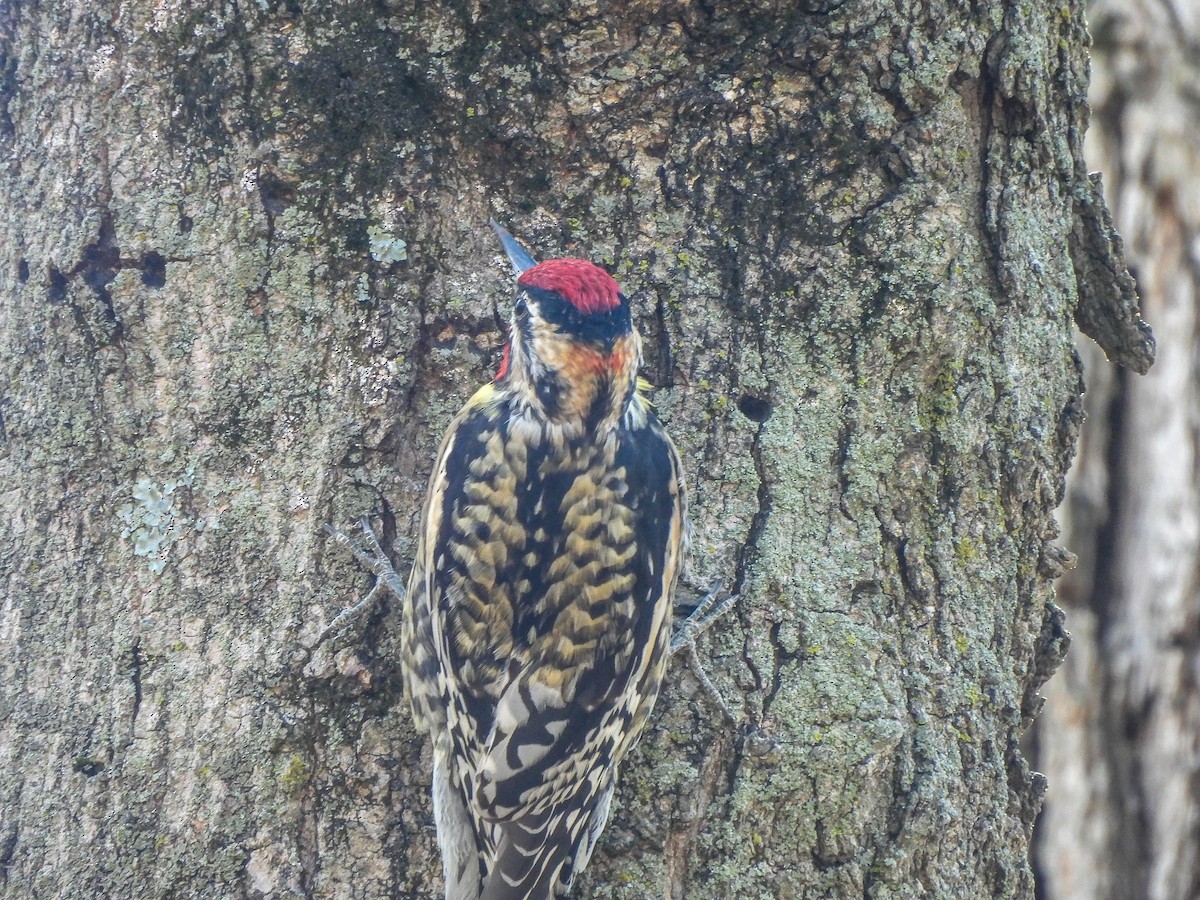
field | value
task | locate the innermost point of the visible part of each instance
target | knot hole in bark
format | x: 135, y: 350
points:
x: 754, y: 408
x: 154, y: 269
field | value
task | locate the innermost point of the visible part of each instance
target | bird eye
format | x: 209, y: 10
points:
x: 521, y: 307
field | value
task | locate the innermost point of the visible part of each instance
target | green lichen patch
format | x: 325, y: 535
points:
x: 156, y: 520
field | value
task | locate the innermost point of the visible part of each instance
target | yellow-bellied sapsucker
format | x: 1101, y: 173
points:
x: 537, y: 623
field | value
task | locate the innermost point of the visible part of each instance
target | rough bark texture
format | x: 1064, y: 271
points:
x: 246, y: 282
x: 1120, y: 741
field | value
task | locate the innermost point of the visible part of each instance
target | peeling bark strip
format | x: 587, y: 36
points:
x: 1108, y: 301
x: 845, y: 230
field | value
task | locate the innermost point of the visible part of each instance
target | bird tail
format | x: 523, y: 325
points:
x: 537, y: 856
x: 531, y: 863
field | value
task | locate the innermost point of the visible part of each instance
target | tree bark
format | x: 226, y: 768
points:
x: 246, y: 282
x: 1119, y: 741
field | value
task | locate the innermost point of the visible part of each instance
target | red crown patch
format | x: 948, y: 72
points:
x: 584, y: 285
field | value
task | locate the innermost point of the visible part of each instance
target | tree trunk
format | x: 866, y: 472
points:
x: 1121, y: 738
x: 247, y: 281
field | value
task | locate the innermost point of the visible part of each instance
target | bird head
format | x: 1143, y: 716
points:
x: 572, y: 349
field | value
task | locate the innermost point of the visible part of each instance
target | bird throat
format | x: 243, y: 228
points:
x: 577, y: 382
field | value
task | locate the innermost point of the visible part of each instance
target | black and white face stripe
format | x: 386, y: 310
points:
x: 601, y: 328
x: 574, y: 368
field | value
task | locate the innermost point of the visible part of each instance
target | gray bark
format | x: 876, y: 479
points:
x: 1120, y: 741
x: 246, y: 282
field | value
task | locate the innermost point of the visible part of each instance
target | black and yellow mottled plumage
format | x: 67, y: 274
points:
x: 538, y: 618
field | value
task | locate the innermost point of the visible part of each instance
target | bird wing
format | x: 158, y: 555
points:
x: 424, y: 677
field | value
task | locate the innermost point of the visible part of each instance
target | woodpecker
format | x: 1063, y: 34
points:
x: 537, y: 619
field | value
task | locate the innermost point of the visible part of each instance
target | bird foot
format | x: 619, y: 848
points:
x: 686, y: 633
x: 369, y: 553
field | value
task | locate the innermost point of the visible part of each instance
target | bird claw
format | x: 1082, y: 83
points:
x: 684, y: 637
x: 700, y: 619
x: 369, y: 553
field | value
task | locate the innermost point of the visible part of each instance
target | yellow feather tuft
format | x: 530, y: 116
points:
x: 484, y: 397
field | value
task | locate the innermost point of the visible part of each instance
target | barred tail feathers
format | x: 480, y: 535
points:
x: 538, y: 856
